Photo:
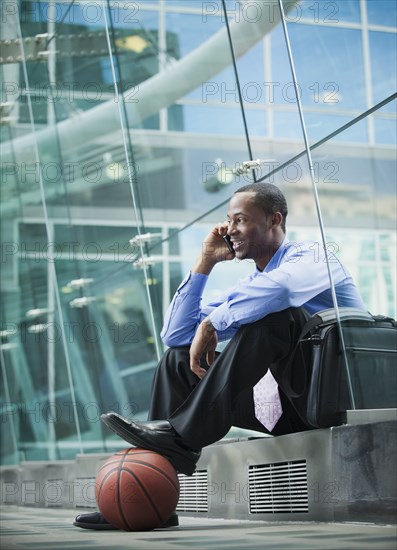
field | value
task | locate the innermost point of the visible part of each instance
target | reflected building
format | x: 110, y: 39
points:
x: 122, y: 123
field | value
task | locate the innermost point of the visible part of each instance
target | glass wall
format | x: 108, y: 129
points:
x: 122, y: 123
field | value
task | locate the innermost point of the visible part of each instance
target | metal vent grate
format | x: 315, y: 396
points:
x: 193, y: 492
x: 30, y: 492
x: 278, y: 488
x: 52, y: 492
x: 9, y: 492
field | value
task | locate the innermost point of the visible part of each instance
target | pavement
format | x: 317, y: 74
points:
x: 24, y: 528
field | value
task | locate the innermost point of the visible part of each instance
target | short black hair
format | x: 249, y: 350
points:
x: 269, y: 198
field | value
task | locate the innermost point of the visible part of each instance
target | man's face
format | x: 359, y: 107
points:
x: 250, y: 230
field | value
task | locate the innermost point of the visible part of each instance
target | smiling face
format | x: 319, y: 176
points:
x: 254, y: 234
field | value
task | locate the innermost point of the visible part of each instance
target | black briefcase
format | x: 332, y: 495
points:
x: 362, y: 376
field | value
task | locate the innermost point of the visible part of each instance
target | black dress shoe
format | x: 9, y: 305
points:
x: 157, y: 436
x: 95, y: 520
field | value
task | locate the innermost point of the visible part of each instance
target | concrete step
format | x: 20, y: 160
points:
x: 346, y: 473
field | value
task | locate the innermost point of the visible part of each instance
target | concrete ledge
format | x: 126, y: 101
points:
x: 369, y: 416
x: 346, y: 473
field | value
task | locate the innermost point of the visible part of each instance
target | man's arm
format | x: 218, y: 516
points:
x: 214, y: 250
x: 184, y: 314
x: 205, y: 340
x: 300, y: 278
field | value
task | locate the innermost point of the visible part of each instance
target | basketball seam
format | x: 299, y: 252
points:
x: 125, y: 455
x: 157, y: 470
x: 103, y: 481
x: 154, y: 507
x: 118, y: 492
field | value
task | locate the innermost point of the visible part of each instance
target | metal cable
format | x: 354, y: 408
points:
x: 316, y: 198
x: 119, y: 98
x: 269, y: 175
x: 238, y: 86
x: 49, y: 239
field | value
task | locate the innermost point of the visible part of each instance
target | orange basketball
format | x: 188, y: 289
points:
x: 137, y: 490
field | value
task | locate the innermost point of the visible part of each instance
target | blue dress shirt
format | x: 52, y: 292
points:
x: 297, y: 275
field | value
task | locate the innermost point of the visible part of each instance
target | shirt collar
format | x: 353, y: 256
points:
x: 276, y: 258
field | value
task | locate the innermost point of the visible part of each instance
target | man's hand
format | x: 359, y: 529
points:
x: 214, y: 250
x: 204, y: 341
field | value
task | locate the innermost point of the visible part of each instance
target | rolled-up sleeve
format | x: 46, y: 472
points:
x: 184, y: 312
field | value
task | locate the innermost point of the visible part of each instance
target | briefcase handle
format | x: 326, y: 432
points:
x: 328, y: 317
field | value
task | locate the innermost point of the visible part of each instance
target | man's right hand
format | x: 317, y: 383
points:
x: 204, y: 342
x: 214, y: 250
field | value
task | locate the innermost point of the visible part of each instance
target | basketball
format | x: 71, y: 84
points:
x: 136, y: 489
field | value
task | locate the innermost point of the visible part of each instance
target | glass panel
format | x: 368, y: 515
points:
x: 385, y: 131
x: 382, y: 12
x: 324, y: 11
x: 211, y: 120
x: 326, y: 84
x: 383, y: 65
x: 343, y: 203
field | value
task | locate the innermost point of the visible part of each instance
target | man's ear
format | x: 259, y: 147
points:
x: 277, y: 218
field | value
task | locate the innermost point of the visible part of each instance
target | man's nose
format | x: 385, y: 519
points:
x: 232, y: 228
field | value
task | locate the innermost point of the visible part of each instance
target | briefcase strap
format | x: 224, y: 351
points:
x: 328, y: 317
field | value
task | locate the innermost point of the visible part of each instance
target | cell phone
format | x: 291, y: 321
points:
x: 227, y: 240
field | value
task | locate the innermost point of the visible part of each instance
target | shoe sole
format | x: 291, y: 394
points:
x: 172, y: 521
x: 180, y: 462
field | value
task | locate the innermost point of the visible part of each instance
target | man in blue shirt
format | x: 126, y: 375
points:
x: 198, y: 393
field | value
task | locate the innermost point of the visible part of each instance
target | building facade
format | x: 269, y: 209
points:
x: 123, y: 125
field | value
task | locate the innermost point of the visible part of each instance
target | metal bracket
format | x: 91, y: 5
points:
x: 79, y: 283
x: 82, y: 302
x: 37, y: 312
x: 68, y: 45
x: 5, y: 110
x: 248, y: 165
x: 34, y: 48
x: 144, y: 238
x: 143, y: 263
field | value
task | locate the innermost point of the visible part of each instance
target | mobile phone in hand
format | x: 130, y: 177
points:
x: 227, y: 240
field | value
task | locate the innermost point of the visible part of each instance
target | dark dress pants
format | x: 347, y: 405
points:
x: 203, y: 411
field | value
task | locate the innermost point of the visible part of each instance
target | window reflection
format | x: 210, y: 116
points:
x: 382, y: 12
x: 329, y: 64
x: 383, y: 65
